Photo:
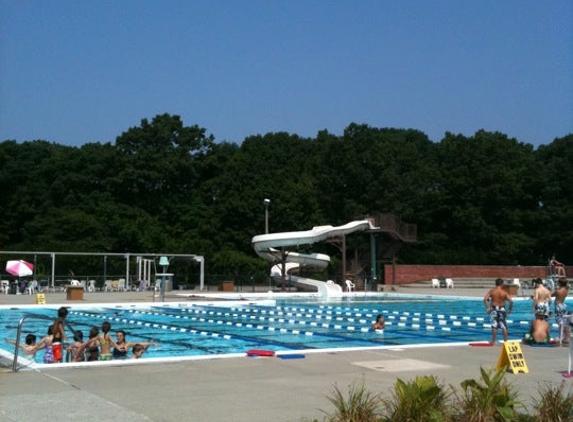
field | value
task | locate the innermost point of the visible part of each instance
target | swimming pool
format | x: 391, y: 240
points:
x: 192, y: 330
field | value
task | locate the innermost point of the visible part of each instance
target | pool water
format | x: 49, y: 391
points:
x: 206, y: 329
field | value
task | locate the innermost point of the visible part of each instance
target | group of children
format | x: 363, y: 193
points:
x: 540, y: 331
x: 97, y: 347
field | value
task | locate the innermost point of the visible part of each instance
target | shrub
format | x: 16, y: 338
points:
x: 492, y: 399
x: 553, y: 405
x: 359, y: 406
x: 422, y: 400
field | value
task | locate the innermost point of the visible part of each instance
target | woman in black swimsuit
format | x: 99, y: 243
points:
x: 120, y: 352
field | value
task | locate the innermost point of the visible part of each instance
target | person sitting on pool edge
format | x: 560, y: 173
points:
x: 539, y: 333
x: 120, y: 352
x: 379, y: 324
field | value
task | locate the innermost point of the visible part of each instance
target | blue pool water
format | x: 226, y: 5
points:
x: 195, y: 329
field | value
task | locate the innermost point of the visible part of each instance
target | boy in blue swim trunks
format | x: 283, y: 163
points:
x: 494, y: 302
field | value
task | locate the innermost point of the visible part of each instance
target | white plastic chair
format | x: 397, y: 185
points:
x: 518, y: 284
x: 435, y: 283
x: 157, y: 287
x: 91, y: 286
x: 449, y: 283
x: 5, y: 286
x: 121, y: 285
x: 350, y: 286
x: 74, y: 282
x: 107, y: 286
x: 32, y: 287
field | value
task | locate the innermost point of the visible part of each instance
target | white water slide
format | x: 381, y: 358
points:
x: 265, y: 246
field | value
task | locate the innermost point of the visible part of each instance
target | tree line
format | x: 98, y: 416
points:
x: 166, y: 187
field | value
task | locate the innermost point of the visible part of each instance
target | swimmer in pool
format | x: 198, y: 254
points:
x: 139, y: 349
x: 30, y: 348
x: 379, y: 324
x: 120, y: 352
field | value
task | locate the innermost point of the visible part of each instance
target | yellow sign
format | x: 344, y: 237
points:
x: 512, y: 357
x: 40, y: 299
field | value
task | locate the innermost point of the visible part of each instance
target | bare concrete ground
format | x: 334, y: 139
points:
x: 247, y: 389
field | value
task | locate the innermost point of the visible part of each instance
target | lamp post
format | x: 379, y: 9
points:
x: 267, y: 203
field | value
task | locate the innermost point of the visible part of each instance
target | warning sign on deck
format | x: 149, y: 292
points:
x: 40, y: 299
x: 512, y: 357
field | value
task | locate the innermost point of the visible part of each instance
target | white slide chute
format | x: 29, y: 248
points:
x: 265, y: 246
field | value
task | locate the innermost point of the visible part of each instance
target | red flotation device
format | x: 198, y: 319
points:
x: 259, y: 352
x: 481, y: 344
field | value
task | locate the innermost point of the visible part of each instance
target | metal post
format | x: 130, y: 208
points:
x: 53, y: 271
x: 104, y: 270
x: 162, y: 298
x: 373, y: 260
x: 266, y: 202
x: 127, y: 281
x: 201, y: 261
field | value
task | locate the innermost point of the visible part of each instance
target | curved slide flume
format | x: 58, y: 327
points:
x: 265, y: 246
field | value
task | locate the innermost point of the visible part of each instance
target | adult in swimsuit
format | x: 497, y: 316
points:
x: 496, y: 309
x: 379, y: 324
x: 123, y: 346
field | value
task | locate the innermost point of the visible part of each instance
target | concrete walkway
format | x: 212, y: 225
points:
x: 246, y: 389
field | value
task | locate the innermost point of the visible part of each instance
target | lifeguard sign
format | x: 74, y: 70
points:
x: 512, y: 357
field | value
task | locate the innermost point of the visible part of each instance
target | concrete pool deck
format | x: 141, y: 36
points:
x: 247, y: 389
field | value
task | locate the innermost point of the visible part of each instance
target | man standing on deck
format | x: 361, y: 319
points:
x: 496, y: 309
x: 541, y: 298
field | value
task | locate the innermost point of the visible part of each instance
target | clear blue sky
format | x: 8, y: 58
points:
x: 73, y: 72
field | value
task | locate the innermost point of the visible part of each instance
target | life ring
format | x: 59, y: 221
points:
x: 259, y: 352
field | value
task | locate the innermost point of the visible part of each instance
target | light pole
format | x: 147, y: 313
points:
x: 267, y: 203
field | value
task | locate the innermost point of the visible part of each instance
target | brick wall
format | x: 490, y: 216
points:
x: 403, y: 274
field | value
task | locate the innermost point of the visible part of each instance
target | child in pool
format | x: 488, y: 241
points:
x: 106, y: 342
x: 76, y: 349
x: 139, y: 349
x: 47, y: 344
x: 30, y: 348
